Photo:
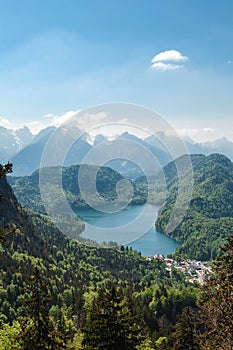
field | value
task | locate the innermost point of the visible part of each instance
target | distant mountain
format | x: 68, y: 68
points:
x: 44, y: 134
x: 222, y: 145
x: 126, y: 145
x: 26, y: 152
x: 139, y: 153
x: 164, y: 142
x: 12, y: 141
x: 209, y: 219
x: 29, y: 159
x: 99, y: 139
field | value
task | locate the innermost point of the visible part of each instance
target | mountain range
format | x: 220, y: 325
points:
x: 26, y: 151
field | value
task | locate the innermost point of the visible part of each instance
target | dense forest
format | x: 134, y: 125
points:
x: 59, y: 294
x: 27, y: 188
x: 209, y: 219
x: 72, y: 276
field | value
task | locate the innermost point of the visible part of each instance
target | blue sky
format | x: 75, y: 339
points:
x: 60, y: 56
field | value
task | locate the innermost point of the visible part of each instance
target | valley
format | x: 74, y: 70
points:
x: 201, y: 233
x: 38, y: 259
x: 116, y: 175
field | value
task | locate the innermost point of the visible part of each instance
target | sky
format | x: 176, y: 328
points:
x: 173, y: 56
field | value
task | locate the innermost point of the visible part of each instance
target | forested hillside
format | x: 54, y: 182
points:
x: 73, y: 275
x: 58, y: 294
x: 209, y: 220
x: 27, y: 191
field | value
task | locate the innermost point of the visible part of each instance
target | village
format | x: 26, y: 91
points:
x: 196, y: 271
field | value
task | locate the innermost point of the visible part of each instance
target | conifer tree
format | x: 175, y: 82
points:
x: 5, y: 231
x: 5, y: 169
x: 216, y: 303
x: 186, y: 335
x: 38, y: 332
x: 110, y: 323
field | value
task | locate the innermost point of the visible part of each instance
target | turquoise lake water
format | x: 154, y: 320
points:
x: 132, y: 226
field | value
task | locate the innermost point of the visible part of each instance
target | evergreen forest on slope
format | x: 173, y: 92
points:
x: 59, y: 294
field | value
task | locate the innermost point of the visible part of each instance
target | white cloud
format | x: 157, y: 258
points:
x: 82, y: 121
x: 4, y: 122
x: 167, y: 60
x: 49, y: 120
x: 90, y: 120
x: 36, y: 126
x: 169, y: 56
x: 49, y: 115
x: 58, y: 120
x: 209, y: 129
x: 166, y: 66
x: 124, y: 120
x: 198, y: 134
x: 9, y: 125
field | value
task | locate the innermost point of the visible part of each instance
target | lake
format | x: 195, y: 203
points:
x: 132, y: 226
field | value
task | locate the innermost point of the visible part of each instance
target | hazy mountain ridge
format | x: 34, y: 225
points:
x: 29, y: 158
x: 25, y: 150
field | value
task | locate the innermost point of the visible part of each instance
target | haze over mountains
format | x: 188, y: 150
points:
x: 25, y: 150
